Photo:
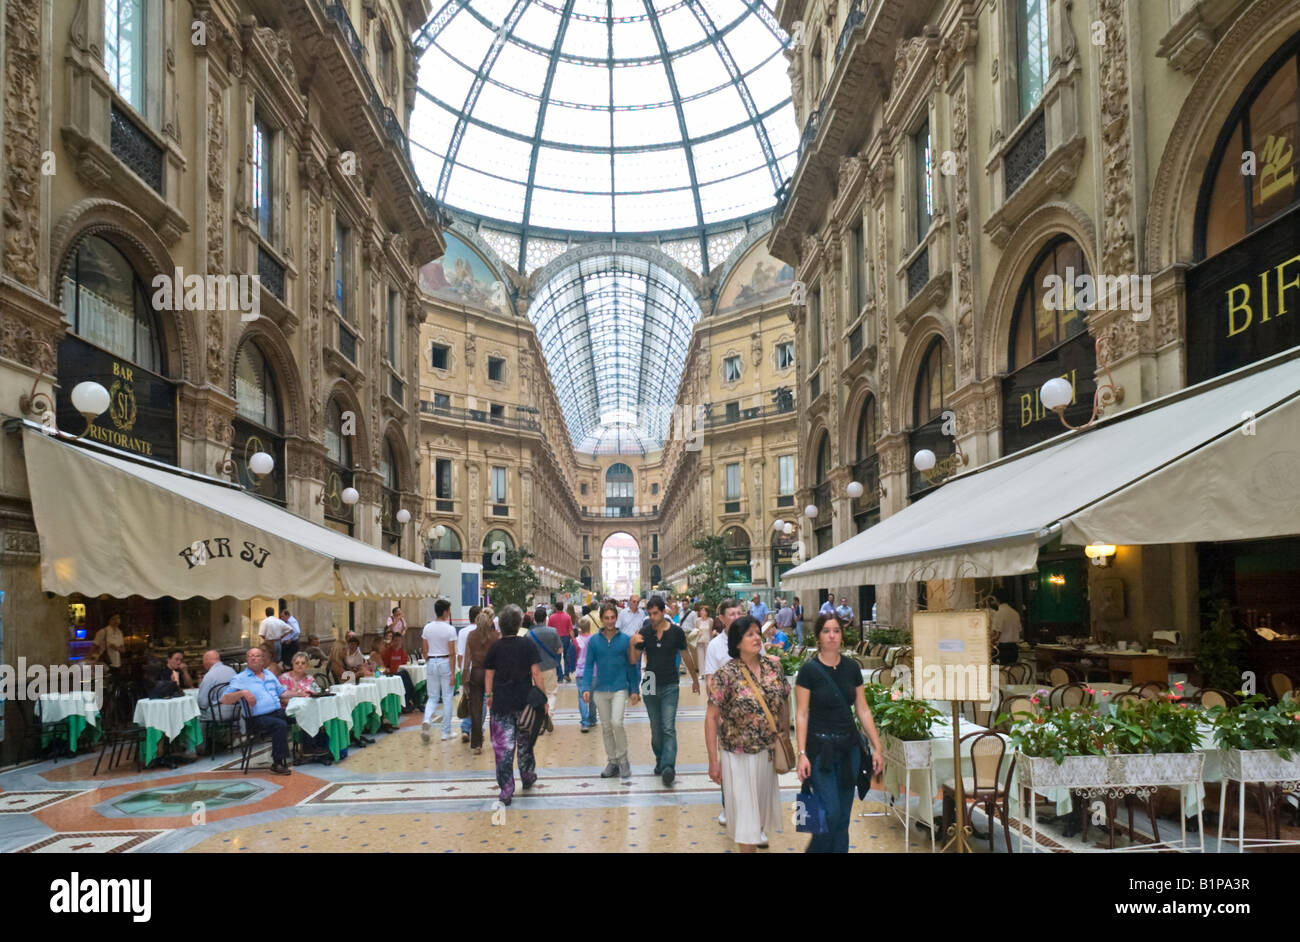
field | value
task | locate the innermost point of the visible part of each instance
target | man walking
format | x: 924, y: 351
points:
x: 661, y: 641
x: 548, y: 642
x: 631, y: 619
x: 289, y: 643
x: 563, y: 626
x: 272, y: 630
x: 438, y: 642
x: 758, y: 611
x: 614, y: 677
x: 785, y: 620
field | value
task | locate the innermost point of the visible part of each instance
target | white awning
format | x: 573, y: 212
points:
x: 1172, y: 470
x: 109, y: 525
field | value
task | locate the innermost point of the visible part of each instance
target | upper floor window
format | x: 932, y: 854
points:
x: 496, y: 367
x: 441, y: 401
x: 583, y: 488
x: 256, y: 398
x: 393, y: 328
x: 338, y: 446
x: 263, y: 179
x: 1039, y: 324
x: 439, y: 356
x: 785, y: 475
x: 124, y: 49
x: 108, y: 305
x: 818, y: 69
x: 867, y: 430
x: 857, y: 268
x: 731, y: 369
x: 815, y: 324
x: 498, y: 485
x: 1267, y: 125
x: 733, y: 481
x: 934, y: 384
x: 388, y: 466
x: 384, y: 59
x: 785, y: 355
x: 924, y: 169
x: 1032, y: 53
x: 442, y: 479
x: 654, y: 488
x: 342, y: 267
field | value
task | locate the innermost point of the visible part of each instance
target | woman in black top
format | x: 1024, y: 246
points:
x: 827, y: 736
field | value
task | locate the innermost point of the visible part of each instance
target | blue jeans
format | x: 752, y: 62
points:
x: 837, y: 798
x: 584, y: 709
x: 662, y: 709
x: 570, y: 657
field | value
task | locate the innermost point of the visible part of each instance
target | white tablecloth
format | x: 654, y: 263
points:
x: 312, y: 712
x: 53, y: 707
x: 417, y: 673
x: 168, y: 716
x: 386, y: 685
x: 364, y: 691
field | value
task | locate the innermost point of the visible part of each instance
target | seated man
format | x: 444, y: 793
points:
x: 215, y: 673
x: 391, y: 657
x: 171, y: 678
x: 315, y: 653
x: 266, y: 698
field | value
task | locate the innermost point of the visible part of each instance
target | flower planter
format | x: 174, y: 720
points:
x: 1260, y: 765
x: 910, y: 754
x: 1173, y: 768
x: 1073, y: 771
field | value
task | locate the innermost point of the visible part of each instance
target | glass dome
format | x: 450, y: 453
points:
x: 604, y: 116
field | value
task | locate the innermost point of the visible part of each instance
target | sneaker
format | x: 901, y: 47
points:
x: 669, y: 775
x: 446, y: 736
x: 586, y: 729
x: 722, y: 817
x: 625, y: 771
x: 478, y: 751
x: 610, y: 770
x: 424, y: 733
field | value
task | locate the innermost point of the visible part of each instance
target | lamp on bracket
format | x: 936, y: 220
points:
x: 1057, y: 393
x: 259, y: 464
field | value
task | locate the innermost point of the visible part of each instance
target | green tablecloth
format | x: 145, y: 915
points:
x: 76, y: 726
x: 365, y: 718
x: 392, y: 708
x: 191, y: 735
x: 336, y: 732
x: 421, y: 692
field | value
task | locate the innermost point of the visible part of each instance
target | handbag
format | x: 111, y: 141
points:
x: 534, y: 717
x: 462, y: 708
x: 866, y: 766
x: 809, y: 812
x: 782, y: 748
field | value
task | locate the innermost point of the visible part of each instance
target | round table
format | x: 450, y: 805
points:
x: 173, y: 718
x: 419, y: 679
x: 392, y: 693
x: 363, y: 705
x: 332, y: 713
x: 80, y: 709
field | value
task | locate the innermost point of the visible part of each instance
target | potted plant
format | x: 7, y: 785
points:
x: 1063, y: 747
x: 1221, y: 649
x: 1154, y: 743
x: 905, y: 725
x: 1260, y: 743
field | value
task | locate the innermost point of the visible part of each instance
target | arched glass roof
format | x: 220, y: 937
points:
x: 614, y: 330
x: 604, y: 116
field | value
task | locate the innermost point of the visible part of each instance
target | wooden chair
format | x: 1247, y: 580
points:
x: 1021, y: 673
x: 1280, y: 684
x: 884, y: 676
x: 1151, y: 690
x: 1069, y: 695
x: 1211, y: 697
x: 1128, y: 696
x: 974, y: 711
x: 1012, y: 707
x: 1061, y: 675
x: 986, y: 780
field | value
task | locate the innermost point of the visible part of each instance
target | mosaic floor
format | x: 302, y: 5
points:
x: 402, y: 795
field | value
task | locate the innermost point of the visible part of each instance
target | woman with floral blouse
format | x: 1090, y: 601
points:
x: 740, y: 739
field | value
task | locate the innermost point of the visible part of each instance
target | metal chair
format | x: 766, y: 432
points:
x: 884, y: 676
x: 1127, y: 696
x: 251, y: 737
x: 216, y: 720
x: 988, y: 764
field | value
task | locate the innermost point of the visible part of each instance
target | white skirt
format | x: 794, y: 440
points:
x: 752, y: 795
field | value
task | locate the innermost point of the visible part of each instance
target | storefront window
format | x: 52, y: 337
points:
x: 1048, y: 312
x: 108, y: 305
x: 448, y: 547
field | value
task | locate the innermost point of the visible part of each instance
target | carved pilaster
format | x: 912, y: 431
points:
x: 22, y: 157
x: 1118, y: 247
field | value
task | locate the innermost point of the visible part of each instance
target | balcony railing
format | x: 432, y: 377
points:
x: 270, y: 272
x: 918, y: 273
x: 810, y: 130
x: 347, y: 343
x: 135, y: 149
x: 743, y: 415
x: 478, y: 415
x: 620, y: 513
x: 1024, y: 156
x: 855, y: 19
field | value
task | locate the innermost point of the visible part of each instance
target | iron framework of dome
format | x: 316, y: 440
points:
x: 614, y: 330
x: 604, y: 117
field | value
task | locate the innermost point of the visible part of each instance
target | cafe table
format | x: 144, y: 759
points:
x: 79, y: 708
x: 392, y: 693
x: 363, y: 703
x: 333, y: 713
x: 171, y: 718
x: 416, y: 671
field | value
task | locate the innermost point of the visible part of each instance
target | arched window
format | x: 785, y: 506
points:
x: 822, y: 495
x: 338, y: 467
x: 108, y: 305
x: 866, y: 470
x: 258, y: 424
x: 737, y: 570
x: 866, y: 443
x: 823, y: 460
x: 656, y: 576
x: 448, y: 547
x: 495, y: 545
x: 619, y: 491
x: 1042, y: 320
x: 390, y: 500
x: 1265, y: 123
x: 585, y: 578
x: 934, y: 383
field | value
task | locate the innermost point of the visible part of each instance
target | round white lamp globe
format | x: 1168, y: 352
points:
x: 788, y: 529
x: 854, y: 489
x: 261, y: 464
x: 811, y: 511
x: 90, y: 399
x: 439, y: 532
x: 778, y: 525
x: 403, y: 516
x: 923, y: 460
x: 1056, y: 393
x: 350, y: 496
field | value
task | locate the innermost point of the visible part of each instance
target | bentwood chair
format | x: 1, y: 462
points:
x: 884, y: 676
x: 1211, y: 697
x: 1061, y: 675
x: 1280, y: 684
x: 1020, y: 673
x: 986, y: 781
x: 1013, y: 707
x: 1069, y: 695
x: 220, y: 718
x: 1151, y: 690
x: 1127, y: 696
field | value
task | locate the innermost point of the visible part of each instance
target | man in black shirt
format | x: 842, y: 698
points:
x: 661, y: 641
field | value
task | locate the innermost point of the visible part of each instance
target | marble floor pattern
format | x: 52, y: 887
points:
x: 401, y: 795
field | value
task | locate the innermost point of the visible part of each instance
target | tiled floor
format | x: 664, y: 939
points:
x: 401, y: 795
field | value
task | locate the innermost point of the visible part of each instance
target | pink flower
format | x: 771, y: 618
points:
x: 1036, y: 700
x: 1090, y: 690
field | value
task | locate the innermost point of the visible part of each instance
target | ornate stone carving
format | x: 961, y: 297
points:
x: 1166, y: 321
x: 907, y: 54
x: 277, y: 43
x: 22, y: 541
x: 849, y: 168
x: 313, y: 313
x: 22, y: 107
x: 1118, y: 241
x: 882, y: 322
x: 961, y: 227
x: 26, y: 343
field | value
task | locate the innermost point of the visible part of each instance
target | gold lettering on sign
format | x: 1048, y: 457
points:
x: 1234, y: 307
x: 1241, y: 313
x: 1278, y: 171
x: 1283, y: 285
x: 1031, y: 408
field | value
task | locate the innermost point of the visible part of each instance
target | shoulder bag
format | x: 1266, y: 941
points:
x: 866, y: 767
x: 782, y: 748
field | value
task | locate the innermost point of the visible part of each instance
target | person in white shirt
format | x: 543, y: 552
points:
x: 272, y: 630
x: 631, y: 619
x: 109, y: 642
x: 1007, y: 622
x: 828, y: 607
x: 290, y: 640
x: 438, y: 643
